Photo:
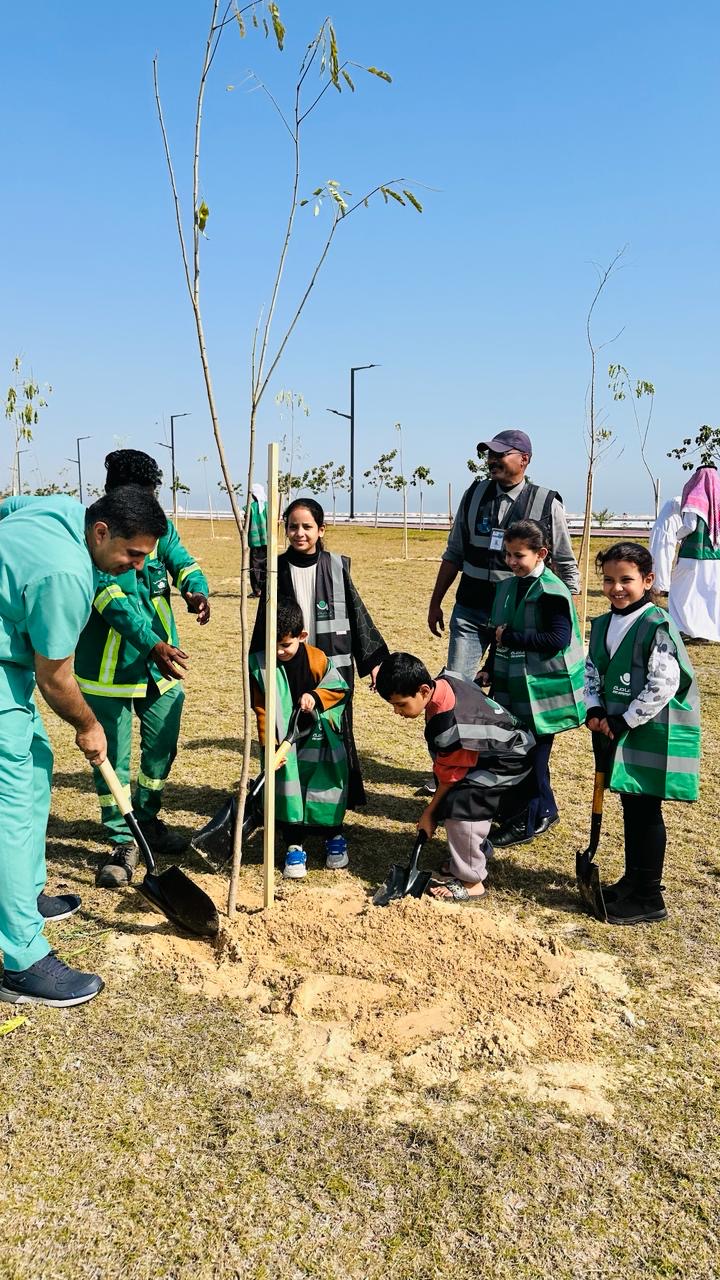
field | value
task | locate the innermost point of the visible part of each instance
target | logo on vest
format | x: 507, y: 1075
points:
x: 622, y: 690
x: 322, y: 606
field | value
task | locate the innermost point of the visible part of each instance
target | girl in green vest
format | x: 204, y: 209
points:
x: 644, y: 708
x: 537, y: 665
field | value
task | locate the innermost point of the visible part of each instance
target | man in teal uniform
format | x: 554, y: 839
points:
x: 49, y: 549
x: 128, y: 661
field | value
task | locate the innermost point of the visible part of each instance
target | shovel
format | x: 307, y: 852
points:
x: 403, y: 882
x: 586, y: 869
x: 172, y: 893
x: 214, y: 841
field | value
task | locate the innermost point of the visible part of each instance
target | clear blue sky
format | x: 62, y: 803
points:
x: 552, y: 135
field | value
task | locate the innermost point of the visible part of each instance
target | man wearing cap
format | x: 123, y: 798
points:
x: 475, y: 546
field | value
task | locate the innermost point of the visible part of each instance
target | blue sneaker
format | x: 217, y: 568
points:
x: 336, y: 854
x: 49, y: 981
x: 56, y: 907
x: 295, y: 863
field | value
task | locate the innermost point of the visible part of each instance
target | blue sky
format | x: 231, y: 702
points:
x: 550, y: 135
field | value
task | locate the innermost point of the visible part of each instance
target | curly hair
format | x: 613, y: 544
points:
x: 131, y: 466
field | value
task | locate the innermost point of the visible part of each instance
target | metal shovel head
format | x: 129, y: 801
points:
x: 214, y: 841
x: 182, y: 901
x: 587, y: 875
x: 404, y: 881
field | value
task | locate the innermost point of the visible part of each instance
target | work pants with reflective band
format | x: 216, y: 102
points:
x: 26, y: 763
x: 159, y: 716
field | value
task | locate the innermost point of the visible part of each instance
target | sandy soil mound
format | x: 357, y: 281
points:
x: 418, y: 992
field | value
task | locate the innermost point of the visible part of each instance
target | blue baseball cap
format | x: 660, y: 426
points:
x: 505, y: 441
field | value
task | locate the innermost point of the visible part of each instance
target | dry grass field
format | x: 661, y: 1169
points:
x: 508, y: 1090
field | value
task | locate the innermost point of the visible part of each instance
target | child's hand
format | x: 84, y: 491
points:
x: 483, y: 677
x: 428, y: 823
x: 307, y: 703
x: 499, y: 633
x: 597, y: 725
x: 373, y: 677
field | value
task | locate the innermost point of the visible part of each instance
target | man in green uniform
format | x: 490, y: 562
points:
x: 49, y: 550
x: 128, y: 660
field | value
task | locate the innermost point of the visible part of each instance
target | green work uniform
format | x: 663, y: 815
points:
x: 47, y: 582
x: 544, y: 691
x: 117, y: 676
x: 660, y: 758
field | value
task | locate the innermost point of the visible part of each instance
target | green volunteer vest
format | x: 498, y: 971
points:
x: 662, y: 757
x: 311, y: 788
x: 698, y: 545
x: 544, y: 691
x: 257, y: 530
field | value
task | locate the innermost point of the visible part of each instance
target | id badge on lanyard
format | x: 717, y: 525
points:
x: 497, y: 539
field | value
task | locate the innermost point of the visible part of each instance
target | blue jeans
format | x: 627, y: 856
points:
x: 469, y: 638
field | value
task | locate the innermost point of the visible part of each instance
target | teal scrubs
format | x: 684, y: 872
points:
x: 47, y: 584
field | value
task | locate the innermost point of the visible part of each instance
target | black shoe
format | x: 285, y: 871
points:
x: 49, y: 981
x: 620, y: 889
x: 57, y: 907
x: 118, y: 871
x: 160, y: 838
x: 516, y: 832
x: 636, y: 907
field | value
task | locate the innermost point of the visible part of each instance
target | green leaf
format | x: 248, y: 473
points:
x: 303, y: 203
x: 334, y: 60
x: 202, y: 215
x: 382, y: 75
x: 395, y: 195
x: 278, y: 27
x: 413, y: 200
x: 348, y: 81
x: 266, y: 27
x: 318, y: 191
x: 255, y: 19
x: 383, y: 192
x: 241, y: 23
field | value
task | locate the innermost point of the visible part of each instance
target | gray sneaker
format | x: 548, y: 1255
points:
x: 118, y: 871
x: 49, y: 981
x: 57, y: 906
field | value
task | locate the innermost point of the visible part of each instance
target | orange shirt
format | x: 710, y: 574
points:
x: 451, y: 766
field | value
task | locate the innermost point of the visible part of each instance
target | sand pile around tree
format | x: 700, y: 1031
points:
x: 419, y: 992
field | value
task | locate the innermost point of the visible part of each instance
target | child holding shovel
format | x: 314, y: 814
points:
x: 479, y: 752
x: 536, y: 665
x: 311, y: 788
x: 643, y: 700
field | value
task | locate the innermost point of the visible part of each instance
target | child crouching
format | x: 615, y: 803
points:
x: 311, y: 789
x: 479, y: 751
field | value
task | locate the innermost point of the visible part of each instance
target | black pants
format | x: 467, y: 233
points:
x: 258, y: 569
x: 645, y: 838
x: 295, y: 833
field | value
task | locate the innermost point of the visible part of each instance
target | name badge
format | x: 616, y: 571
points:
x: 497, y: 539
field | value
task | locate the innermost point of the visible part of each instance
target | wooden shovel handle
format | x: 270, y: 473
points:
x: 117, y: 791
x: 598, y: 793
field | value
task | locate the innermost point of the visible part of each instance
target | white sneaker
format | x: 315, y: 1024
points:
x: 336, y: 854
x: 295, y: 863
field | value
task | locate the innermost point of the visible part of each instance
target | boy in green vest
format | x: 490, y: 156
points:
x: 311, y: 789
x: 536, y: 665
x: 128, y: 660
x: 644, y: 706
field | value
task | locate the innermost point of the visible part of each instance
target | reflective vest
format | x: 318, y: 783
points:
x: 698, y: 544
x: 479, y: 518
x: 660, y: 758
x: 478, y: 723
x: 311, y: 788
x: 257, y: 529
x: 544, y: 691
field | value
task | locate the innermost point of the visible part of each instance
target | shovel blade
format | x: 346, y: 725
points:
x: 587, y: 876
x: 404, y: 881
x: 214, y: 841
x: 181, y: 901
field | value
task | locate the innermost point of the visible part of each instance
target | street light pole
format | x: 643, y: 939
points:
x: 79, y: 464
x: 18, y: 452
x: 173, y: 416
x: 351, y: 419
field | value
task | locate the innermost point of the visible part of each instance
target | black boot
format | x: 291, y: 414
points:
x: 640, y: 903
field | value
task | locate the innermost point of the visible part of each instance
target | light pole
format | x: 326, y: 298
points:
x: 171, y: 447
x: 351, y: 419
x: 17, y: 466
x: 78, y: 463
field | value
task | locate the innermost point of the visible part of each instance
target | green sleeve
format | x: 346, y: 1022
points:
x: 182, y: 567
x: 121, y: 612
x: 14, y: 502
x: 57, y: 607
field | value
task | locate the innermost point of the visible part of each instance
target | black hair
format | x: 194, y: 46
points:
x: 290, y: 621
x: 529, y: 532
x: 315, y: 510
x: 401, y: 673
x: 129, y: 510
x: 131, y: 466
x: 633, y: 552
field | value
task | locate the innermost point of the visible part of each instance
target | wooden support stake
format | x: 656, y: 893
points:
x: 270, y: 677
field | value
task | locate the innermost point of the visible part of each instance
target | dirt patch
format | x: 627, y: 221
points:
x: 419, y: 993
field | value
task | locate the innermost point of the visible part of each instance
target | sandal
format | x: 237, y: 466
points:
x: 456, y: 890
